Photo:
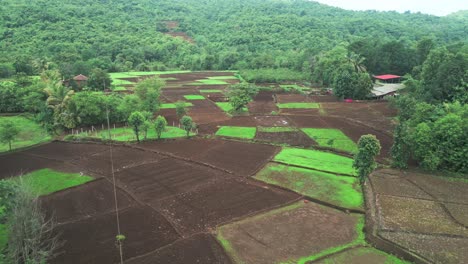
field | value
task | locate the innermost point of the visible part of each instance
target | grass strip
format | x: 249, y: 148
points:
x: 337, y: 190
x: 237, y: 132
x: 194, y: 97
x: 333, y: 138
x: 210, y: 91
x: 276, y: 129
x: 47, y: 181
x: 314, y: 159
x: 172, y: 105
x: 30, y: 133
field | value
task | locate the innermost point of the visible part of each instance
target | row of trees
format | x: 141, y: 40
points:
x: 432, y: 127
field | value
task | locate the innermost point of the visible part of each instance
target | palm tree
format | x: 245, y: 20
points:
x: 58, y: 99
x: 357, y: 61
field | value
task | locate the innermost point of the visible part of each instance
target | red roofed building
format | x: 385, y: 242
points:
x: 80, y: 80
x: 388, y: 78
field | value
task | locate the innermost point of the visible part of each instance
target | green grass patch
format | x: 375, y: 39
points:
x: 237, y: 132
x: 126, y: 134
x: 338, y: 190
x: 276, y: 129
x: 227, y: 107
x: 173, y: 106
x: 210, y: 91
x: 298, y: 105
x: 30, y: 133
x: 208, y: 82
x: 318, y: 160
x: 119, y: 89
x: 118, y: 82
x: 194, y: 97
x: 332, y: 138
x: 47, y: 181
x: 229, y: 77
x: 361, y: 253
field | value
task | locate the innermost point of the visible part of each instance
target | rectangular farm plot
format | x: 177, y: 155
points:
x: 297, y: 233
x: 332, y: 138
x: 87, y: 200
x: 318, y: 160
x: 240, y: 158
x: 173, y: 106
x: 152, y: 182
x: 210, y: 91
x: 298, y: 105
x: 92, y: 240
x: 194, y: 97
x: 200, y: 248
x: 212, y: 204
x: 237, y: 132
x: 337, y: 190
x: 276, y: 129
x: 46, y: 181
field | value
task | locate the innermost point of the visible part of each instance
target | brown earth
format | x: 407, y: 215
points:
x: 423, y: 215
x: 240, y: 158
x: 360, y: 255
x: 200, y: 248
x: 93, y: 240
x: 294, y: 138
x: 286, y: 235
x: 182, y: 35
x: 168, y: 177
x: 20, y: 163
x: 85, y: 201
x: 218, y: 202
x: 262, y: 104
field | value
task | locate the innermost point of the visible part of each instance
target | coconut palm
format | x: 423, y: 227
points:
x: 58, y: 99
x: 357, y: 61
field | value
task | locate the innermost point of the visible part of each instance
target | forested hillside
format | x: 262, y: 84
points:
x: 119, y: 35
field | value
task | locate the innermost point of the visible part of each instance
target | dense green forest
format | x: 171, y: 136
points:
x: 118, y: 35
x: 267, y: 41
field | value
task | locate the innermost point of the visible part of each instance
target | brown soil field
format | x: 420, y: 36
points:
x: 205, y: 207
x: 293, y: 98
x: 84, y: 201
x: 262, y: 104
x: 93, y: 240
x: 295, y: 138
x: 67, y: 151
x: 166, y: 178
x: 240, y: 158
x: 124, y: 157
x: 284, y: 236
x: 323, y: 98
x: 181, y: 147
x: 16, y: 164
x: 424, y: 215
x: 200, y: 248
x: 205, y: 111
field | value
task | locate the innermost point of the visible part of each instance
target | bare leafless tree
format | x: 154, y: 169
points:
x: 31, y: 235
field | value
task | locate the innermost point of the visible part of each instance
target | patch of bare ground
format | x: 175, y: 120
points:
x: 200, y: 248
x: 418, y: 216
x: 287, y: 234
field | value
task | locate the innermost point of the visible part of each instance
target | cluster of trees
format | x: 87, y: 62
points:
x: 343, y: 70
x: 77, y: 37
x: 432, y: 122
